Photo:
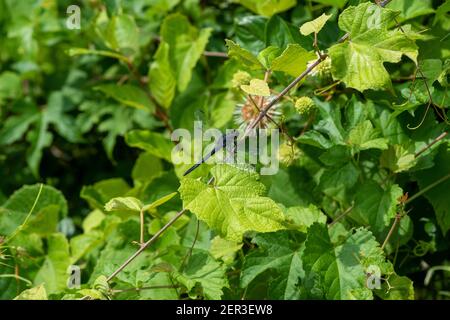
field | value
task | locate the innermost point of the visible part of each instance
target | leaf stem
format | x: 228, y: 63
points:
x: 339, y: 217
x: 20, y: 228
x: 427, y: 188
x: 141, y: 214
x: 391, y: 231
x: 215, y: 54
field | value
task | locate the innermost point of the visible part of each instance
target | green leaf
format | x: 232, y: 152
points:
x: 267, y: 55
x: 16, y: 126
x: 250, y: 33
x: 10, y: 86
x: 30, y: 204
x: 124, y: 203
x: 257, y: 87
x: 82, y: 51
x: 438, y: 196
x: 152, y: 142
x: 376, y: 207
x: 146, y: 168
x: 358, y: 62
x: 293, y: 60
x: 246, y: 58
x: 336, y: 3
x: 123, y: 34
x: 204, y: 270
x: 162, y: 80
x: 279, y: 252
x: 337, y: 182
x: 303, y: 217
x: 267, y: 8
x: 40, y: 138
x: 330, y: 122
x: 411, y: 9
x: 83, y: 244
x: 336, y: 271
x: 128, y: 95
x: 364, y: 137
x: 315, y: 25
x: 281, y: 33
x: 224, y: 249
x: 93, y: 220
x: 101, y: 192
x: 233, y: 204
x: 396, y: 288
x: 159, y: 202
x: 287, y: 190
x: 36, y: 293
x: 397, y: 159
x: 186, y: 45
x: 53, y: 273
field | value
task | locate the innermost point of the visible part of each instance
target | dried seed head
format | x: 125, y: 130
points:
x: 247, y: 111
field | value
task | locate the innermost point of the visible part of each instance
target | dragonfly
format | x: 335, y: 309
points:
x: 226, y: 140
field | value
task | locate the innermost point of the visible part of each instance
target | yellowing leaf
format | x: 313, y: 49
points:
x: 359, y: 61
x: 124, y: 203
x: 314, y: 26
x: 36, y: 293
x: 257, y: 87
x: 224, y: 249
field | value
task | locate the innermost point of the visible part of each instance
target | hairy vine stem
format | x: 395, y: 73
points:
x: 146, y: 244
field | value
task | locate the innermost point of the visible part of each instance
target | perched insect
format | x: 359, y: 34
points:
x: 227, y: 140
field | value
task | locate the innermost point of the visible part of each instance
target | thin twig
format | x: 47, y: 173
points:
x: 391, y: 231
x: 146, y: 244
x: 428, y: 146
x: 215, y: 54
x: 189, y: 253
x: 339, y: 217
x: 427, y: 188
x: 142, y: 218
x: 145, y: 288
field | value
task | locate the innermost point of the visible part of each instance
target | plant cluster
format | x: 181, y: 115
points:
x: 93, y: 207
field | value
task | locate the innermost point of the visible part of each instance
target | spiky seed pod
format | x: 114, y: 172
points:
x: 305, y: 105
x: 240, y: 78
x: 287, y: 154
x: 322, y: 70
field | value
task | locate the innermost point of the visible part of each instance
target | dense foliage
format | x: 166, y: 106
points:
x: 359, y: 209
